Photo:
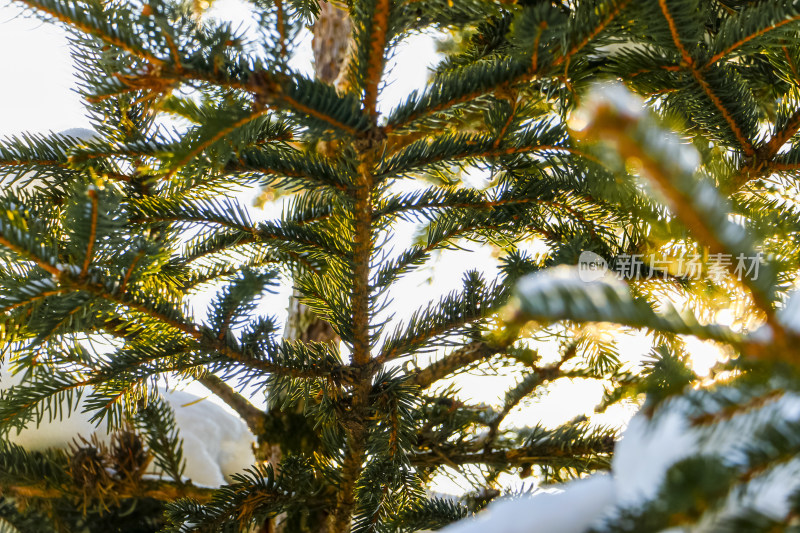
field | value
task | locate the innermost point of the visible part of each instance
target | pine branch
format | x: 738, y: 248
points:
x: 340, y: 112
x: 307, y: 98
x: 16, y: 235
x: 26, y: 254
x: 306, y: 169
x: 428, y: 153
x: 764, y: 163
x: 29, y: 157
x: 613, y: 8
x: 92, y: 233
x: 538, y: 455
x: 159, y: 490
x: 253, y: 495
x: 451, y: 363
x: 30, y: 299
x: 751, y: 24
x: 213, y: 138
x: 439, y: 198
x: 472, y: 82
x: 222, y: 245
x: 696, y: 202
x: 451, y: 89
x: 699, y: 75
x: 252, y: 415
x: 207, y: 341
x: 504, y: 129
x: 454, y: 311
x: 430, y: 514
x: 779, y: 138
x: 516, y: 395
x: 561, y: 295
x: 502, y: 222
x: 89, y: 18
x: 156, y: 421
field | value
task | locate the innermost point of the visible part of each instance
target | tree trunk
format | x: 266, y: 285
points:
x: 331, y: 45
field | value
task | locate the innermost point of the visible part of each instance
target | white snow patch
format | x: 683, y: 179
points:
x: 648, y: 448
x: 216, y: 444
x: 789, y: 315
x: 536, y: 287
x: 762, y: 335
x: 646, y: 451
x: 566, y: 276
x: 733, y: 232
x: 770, y: 493
x: 707, y: 198
x: 572, y: 510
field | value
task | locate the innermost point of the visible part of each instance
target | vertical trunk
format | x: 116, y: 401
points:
x: 331, y: 45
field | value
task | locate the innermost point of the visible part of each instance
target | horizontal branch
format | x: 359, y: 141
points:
x: 198, y: 149
x: 747, y: 38
x: 155, y: 489
x: 270, y: 90
x: 524, y: 389
x: 204, y: 341
x: 595, y: 457
x: 252, y: 415
x: 26, y: 254
x: 460, y: 358
x: 764, y: 163
x: 494, y: 204
x: 535, y: 70
x: 602, y: 25
x: 63, y: 15
x: 490, y: 152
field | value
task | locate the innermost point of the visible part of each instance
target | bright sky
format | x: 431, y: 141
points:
x: 37, y: 96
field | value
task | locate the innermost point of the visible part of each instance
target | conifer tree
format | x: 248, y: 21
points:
x: 104, y: 241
